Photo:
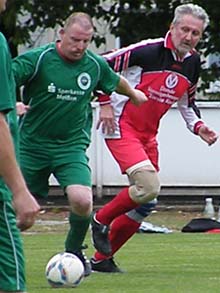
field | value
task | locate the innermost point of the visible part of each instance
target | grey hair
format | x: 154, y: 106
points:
x: 192, y: 9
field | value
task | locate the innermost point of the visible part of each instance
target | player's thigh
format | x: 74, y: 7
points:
x: 151, y: 148
x: 12, y: 274
x: 73, y: 169
x: 36, y: 170
x: 127, y: 151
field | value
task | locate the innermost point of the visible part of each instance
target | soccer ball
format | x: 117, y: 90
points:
x: 64, y: 270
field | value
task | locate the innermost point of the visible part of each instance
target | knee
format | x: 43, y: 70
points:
x: 80, y: 199
x: 82, y: 206
x: 146, y: 185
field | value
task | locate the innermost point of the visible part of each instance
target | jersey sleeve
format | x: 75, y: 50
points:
x: 109, y: 80
x: 24, y: 67
x: 132, y: 55
x: 119, y: 60
x: 103, y: 99
x: 6, y: 100
x: 190, y: 114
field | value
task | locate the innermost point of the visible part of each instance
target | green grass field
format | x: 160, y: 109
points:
x: 154, y: 263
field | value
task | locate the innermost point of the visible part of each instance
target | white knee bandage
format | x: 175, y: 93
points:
x: 146, y: 185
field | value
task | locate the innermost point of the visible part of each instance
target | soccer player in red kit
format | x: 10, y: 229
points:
x: 167, y: 71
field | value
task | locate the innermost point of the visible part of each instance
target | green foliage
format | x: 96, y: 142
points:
x: 130, y: 20
x: 22, y: 18
x: 140, y: 20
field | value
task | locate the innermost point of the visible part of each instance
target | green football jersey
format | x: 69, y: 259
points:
x: 7, y: 101
x: 59, y: 94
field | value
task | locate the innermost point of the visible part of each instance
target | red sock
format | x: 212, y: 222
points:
x: 98, y: 256
x: 122, y: 229
x: 121, y: 204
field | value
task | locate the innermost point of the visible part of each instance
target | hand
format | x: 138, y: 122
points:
x: 207, y: 134
x: 21, y: 108
x: 106, y: 119
x: 26, y: 208
x: 138, y: 97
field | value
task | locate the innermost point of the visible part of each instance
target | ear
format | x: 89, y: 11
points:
x: 62, y: 32
x: 171, y: 26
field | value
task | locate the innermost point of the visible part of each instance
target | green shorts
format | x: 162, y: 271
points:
x: 67, y: 165
x: 12, y: 271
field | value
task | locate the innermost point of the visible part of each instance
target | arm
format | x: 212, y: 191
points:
x: 106, y: 119
x: 136, y: 96
x: 111, y: 82
x: 26, y: 66
x: 207, y: 134
x: 133, y: 55
x: 194, y: 123
x: 21, y: 108
x: 25, y: 205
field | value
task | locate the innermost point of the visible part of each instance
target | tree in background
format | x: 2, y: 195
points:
x: 136, y: 20
x: 129, y: 20
x: 22, y: 18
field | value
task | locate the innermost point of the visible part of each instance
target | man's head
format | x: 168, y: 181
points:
x: 2, y: 5
x: 76, y: 35
x: 189, y: 22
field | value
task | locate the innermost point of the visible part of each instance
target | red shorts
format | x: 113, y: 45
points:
x: 133, y: 147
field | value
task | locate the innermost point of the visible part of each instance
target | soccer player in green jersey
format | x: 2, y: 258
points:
x: 58, y: 80
x: 12, y: 184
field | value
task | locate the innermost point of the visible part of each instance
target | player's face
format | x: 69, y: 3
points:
x: 74, y: 41
x: 186, y: 33
x: 2, y: 5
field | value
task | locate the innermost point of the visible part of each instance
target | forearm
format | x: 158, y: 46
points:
x: 193, y: 122
x: 9, y: 169
x: 124, y: 87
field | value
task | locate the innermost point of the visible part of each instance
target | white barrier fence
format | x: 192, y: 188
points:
x: 185, y: 160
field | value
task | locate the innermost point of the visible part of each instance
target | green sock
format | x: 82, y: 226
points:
x: 78, y: 228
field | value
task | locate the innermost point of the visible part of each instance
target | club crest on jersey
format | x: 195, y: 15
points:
x: 84, y: 81
x: 171, y: 80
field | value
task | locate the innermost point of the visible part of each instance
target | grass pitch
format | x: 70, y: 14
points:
x: 154, y: 263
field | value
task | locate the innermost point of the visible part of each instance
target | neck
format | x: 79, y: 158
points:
x: 60, y: 52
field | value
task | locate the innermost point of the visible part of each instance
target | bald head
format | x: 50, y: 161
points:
x: 80, y: 18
